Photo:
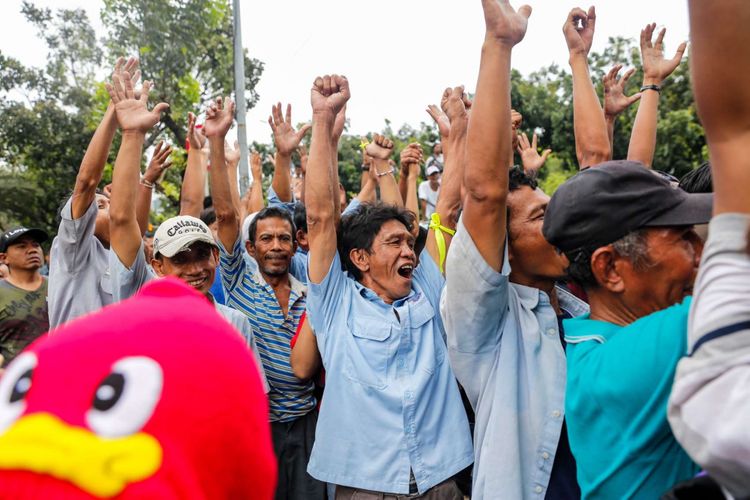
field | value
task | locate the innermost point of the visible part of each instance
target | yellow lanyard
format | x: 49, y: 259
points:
x: 436, y: 226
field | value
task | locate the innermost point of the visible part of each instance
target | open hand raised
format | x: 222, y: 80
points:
x: 615, y: 100
x: 284, y: 136
x: 131, y: 111
x: 655, y: 68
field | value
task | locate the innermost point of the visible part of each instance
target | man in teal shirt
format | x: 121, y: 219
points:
x: 629, y: 238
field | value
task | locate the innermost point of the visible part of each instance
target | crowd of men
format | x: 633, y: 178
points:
x: 592, y: 344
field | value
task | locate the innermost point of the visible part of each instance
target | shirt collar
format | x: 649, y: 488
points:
x: 583, y: 329
x: 371, y: 296
x: 570, y: 303
x: 298, y: 288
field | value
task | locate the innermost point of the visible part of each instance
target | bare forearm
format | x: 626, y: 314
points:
x: 403, y: 183
x: 367, y: 194
x: 143, y: 207
x: 319, y: 198
x: 282, y: 177
x: 226, y: 212
x: 305, y: 357
x: 191, y: 195
x: 256, y: 195
x: 488, y: 147
x: 611, y: 134
x: 449, y: 199
x: 389, y: 192
x: 588, y: 117
x: 125, y: 235
x: 234, y: 186
x: 643, y: 137
x: 721, y: 41
x: 334, y: 145
x: 490, y: 118
x: 92, y: 165
x: 411, y: 201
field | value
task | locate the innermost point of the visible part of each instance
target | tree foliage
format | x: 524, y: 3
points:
x: 50, y: 113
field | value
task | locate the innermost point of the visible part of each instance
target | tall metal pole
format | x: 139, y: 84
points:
x: 239, y: 92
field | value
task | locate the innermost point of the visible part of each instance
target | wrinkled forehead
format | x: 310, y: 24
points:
x: 524, y: 200
x: 273, y: 225
x: 392, y: 229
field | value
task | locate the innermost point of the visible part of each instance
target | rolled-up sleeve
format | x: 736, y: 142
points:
x: 474, y: 306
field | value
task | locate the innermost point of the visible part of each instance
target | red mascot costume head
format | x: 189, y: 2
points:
x: 155, y: 397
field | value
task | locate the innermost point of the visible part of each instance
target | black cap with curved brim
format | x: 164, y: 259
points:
x: 10, y: 237
x: 602, y: 204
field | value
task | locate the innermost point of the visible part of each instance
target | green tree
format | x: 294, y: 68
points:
x: 50, y: 113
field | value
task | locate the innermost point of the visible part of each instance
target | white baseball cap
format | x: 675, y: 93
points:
x: 432, y: 169
x: 175, y: 235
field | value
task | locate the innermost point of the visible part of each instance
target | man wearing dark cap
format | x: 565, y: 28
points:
x: 630, y: 241
x: 23, y: 294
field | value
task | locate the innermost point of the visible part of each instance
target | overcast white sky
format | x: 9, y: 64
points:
x: 398, y: 54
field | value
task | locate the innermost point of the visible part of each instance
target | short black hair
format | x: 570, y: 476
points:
x: 359, y: 228
x: 698, y: 180
x: 300, y: 217
x: 518, y: 178
x: 268, y: 213
x: 208, y: 216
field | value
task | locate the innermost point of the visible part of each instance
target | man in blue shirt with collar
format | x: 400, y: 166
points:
x: 501, y: 307
x: 630, y: 241
x: 392, y: 422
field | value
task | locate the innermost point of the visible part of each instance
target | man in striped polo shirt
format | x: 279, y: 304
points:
x: 273, y: 301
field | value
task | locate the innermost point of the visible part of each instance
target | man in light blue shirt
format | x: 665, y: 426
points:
x: 501, y: 306
x: 391, y: 421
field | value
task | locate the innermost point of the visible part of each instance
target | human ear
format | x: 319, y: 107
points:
x: 360, y: 258
x: 607, y: 268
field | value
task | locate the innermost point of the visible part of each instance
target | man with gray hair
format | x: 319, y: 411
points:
x: 630, y: 241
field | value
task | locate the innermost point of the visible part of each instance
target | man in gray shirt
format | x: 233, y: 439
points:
x: 184, y: 246
x: 79, y: 278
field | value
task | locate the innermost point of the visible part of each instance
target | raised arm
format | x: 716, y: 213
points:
x: 381, y: 149
x: 488, y: 145
x: 328, y: 96
x: 455, y: 105
x: 156, y: 167
x: 194, y: 181
x: 615, y: 100
x: 410, y: 159
x: 255, y: 201
x: 286, y: 140
x: 368, y: 182
x: 135, y: 120
x: 232, y: 157
x: 655, y: 70
x: 95, y: 158
x: 218, y: 122
x: 590, y: 128
x: 338, y: 128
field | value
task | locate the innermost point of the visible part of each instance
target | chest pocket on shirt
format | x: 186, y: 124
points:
x: 106, y: 283
x: 432, y: 346
x: 368, y: 352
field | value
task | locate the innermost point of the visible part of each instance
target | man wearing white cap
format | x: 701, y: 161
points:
x: 184, y: 246
x: 429, y: 190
